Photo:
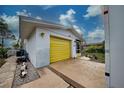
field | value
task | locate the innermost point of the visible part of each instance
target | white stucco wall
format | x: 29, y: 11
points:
x: 42, y: 49
x: 116, y: 36
x: 30, y: 46
x: 107, y: 47
x: 39, y: 47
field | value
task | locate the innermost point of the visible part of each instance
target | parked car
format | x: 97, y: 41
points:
x: 22, y: 56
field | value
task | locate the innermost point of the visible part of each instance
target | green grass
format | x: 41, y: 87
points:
x: 2, y: 61
x: 100, y: 57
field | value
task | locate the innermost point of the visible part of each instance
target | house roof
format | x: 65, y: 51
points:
x: 28, y: 24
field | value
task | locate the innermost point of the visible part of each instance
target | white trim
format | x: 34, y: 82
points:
x: 64, y: 37
x: 48, y: 24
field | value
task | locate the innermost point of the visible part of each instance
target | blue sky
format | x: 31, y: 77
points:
x: 85, y: 19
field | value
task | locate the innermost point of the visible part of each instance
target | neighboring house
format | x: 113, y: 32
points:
x: 48, y: 42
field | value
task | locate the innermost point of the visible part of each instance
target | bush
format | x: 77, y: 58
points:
x: 96, y: 52
x: 3, y: 52
x: 2, y: 61
x: 100, y: 57
x: 94, y: 49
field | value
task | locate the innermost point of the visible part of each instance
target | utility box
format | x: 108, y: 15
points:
x: 114, y: 45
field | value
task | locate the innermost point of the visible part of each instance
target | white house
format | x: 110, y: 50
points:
x: 48, y: 42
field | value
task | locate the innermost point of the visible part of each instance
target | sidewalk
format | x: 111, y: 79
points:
x: 7, y: 72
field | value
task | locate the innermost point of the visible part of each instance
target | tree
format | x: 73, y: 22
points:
x: 5, y: 33
x: 16, y: 45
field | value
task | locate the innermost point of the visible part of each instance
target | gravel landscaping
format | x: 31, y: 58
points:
x: 32, y: 74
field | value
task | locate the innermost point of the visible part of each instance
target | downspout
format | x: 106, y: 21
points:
x: 81, y: 45
x: 20, y: 40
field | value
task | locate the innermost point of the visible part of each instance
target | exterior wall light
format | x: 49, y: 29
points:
x: 42, y: 34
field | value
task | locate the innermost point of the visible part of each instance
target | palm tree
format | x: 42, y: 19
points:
x: 5, y: 33
x: 3, y: 29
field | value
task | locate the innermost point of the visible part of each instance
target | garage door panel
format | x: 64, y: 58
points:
x: 60, y: 49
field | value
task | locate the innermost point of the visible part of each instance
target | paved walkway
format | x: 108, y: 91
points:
x: 7, y: 73
x: 81, y: 73
x: 48, y: 79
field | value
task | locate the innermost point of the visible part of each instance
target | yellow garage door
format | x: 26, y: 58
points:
x: 60, y: 49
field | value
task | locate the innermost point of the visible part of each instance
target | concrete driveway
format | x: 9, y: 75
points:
x: 81, y: 73
x: 48, y: 79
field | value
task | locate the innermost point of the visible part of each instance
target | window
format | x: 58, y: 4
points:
x: 78, y: 46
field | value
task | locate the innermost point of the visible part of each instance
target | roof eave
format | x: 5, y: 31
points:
x: 48, y: 24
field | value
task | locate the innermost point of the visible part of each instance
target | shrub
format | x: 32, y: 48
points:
x: 2, y: 61
x: 3, y: 52
x: 94, y: 49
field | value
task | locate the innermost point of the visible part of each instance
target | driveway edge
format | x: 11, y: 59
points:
x: 66, y: 79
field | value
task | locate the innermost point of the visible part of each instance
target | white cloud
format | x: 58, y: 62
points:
x: 38, y: 17
x: 92, y: 11
x: 45, y: 7
x: 68, y: 17
x: 13, y: 24
x: 78, y: 29
x: 96, y: 36
x: 23, y: 13
x: 26, y: 13
x: 12, y: 21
